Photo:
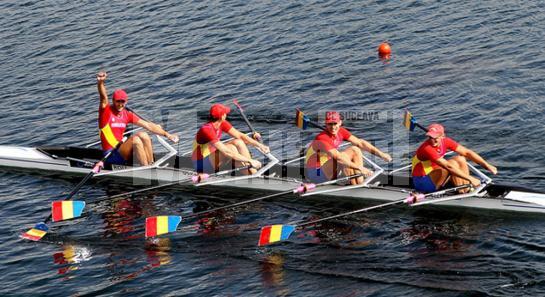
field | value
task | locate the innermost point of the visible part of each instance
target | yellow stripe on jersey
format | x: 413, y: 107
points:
x: 205, y: 148
x: 109, y: 135
x: 322, y: 157
x: 426, y: 165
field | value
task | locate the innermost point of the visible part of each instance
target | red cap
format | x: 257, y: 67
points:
x: 218, y: 110
x: 332, y: 117
x: 120, y: 94
x: 435, y: 130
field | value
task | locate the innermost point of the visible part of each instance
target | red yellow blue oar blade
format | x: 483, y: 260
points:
x: 65, y: 210
x: 301, y: 120
x: 408, y: 120
x: 274, y: 233
x: 161, y: 225
x: 36, y: 233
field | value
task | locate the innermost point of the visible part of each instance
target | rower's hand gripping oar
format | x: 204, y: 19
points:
x: 275, y: 233
x: 66, y: 209
x: 159, y: 225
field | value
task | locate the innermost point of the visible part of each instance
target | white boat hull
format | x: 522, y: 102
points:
x: 37, y: 160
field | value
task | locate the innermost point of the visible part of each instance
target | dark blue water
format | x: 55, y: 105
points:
x: 477, y: 67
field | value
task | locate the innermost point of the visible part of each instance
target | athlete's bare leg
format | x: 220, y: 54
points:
x: 440, y: 176
x: 148, y: 148
x: 134, y: 146
x: 461, y: 163
x: 240, y: 147
x: 355, y: 155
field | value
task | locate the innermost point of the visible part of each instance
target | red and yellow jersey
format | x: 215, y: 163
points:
x: 206, y: 137
x: 324, y: 142
x: 112, y: 125
x: 424, y: 160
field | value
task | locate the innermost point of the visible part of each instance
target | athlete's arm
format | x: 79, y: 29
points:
x: 473, y: 156
x: 156, y: 129
x: 457, y: 172
x: 366, y: 146
x: 248, y: 140
x: 101, y: 77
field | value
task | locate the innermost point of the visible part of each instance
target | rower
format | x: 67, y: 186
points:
x: 112, y: 121
x: 323, y: 155
x: 431, y: 171
x: 210, y: 154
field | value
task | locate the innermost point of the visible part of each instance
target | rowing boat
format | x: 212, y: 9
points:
x: 171, y: 167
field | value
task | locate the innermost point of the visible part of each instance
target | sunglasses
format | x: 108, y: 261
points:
x: 120, y: 101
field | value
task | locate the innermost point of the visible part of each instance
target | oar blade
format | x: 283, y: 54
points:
x: 274, y: 233
x: 66, y: 210
x: 36, y: 233
x: 161, y: 225
x: 408, y: 120
x: 301, y: 120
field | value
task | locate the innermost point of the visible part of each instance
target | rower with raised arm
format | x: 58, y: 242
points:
x: 210, y: 154
x: 112, y: 121
x: 431, y: 171
x: 322, y: 157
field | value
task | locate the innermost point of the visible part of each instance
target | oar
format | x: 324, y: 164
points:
x: 275, y: 233
x: 79, y: 205
x: 302, y: 121
x: 241, y: 111
x: 66, y: 209
x: 409, y: 121
x: 195, y: 179
x: 158, y: 225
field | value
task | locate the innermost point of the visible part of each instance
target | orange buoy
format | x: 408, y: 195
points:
x: 384, y: 50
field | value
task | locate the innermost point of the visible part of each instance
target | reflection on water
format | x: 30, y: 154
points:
x: 157, y: 251
x: 272, y: 271
x: 120, y: 217
x: 70, y: 256
x: 215, y: 224
x: 273, y: 274
x: 125, y: 266
x: 324, y: 232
